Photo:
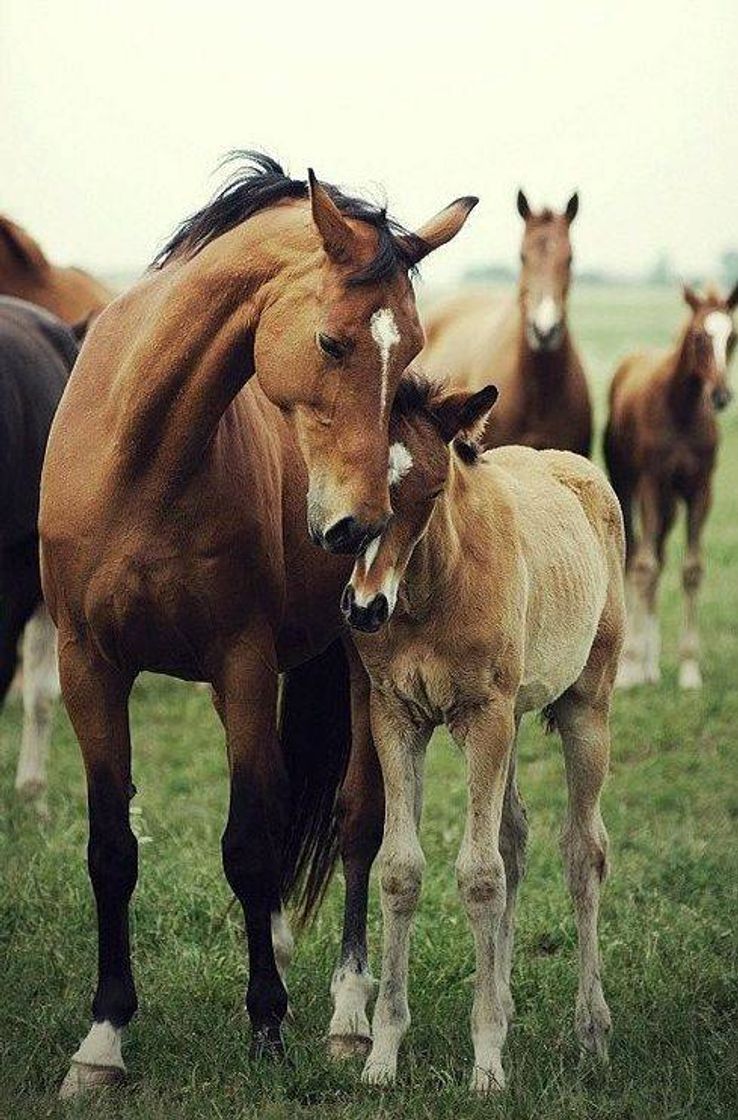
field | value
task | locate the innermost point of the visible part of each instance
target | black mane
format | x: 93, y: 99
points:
x: 416, y: 395
x: 258, y: 183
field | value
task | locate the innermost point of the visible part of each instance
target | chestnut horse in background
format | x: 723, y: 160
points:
x: 26, y: 273
x: 524, y: 347
x: 660, y: 446
x: 234, y: 398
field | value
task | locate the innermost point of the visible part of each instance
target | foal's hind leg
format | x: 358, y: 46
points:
x: 513, y: 842
x: 642, y: 653
x: 96, y: 697
x: 698, y: 507
x: 582, y: 719
x: 40, y: 692
x: 361, y: 811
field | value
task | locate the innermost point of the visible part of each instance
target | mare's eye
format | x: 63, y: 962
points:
x: 331, y: 346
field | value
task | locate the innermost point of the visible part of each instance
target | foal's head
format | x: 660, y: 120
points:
x: 545, y: 273
x: 709, y: 341
x: 427, y: 426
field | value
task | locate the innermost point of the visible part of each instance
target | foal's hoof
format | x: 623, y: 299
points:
x: 690, y: 675
x: 380, y: 1073
x: 82, y: 1078
x: 593, y: 1030
x: 267, y: 1045
x: 484, y: 1081
x: 342, y: 1046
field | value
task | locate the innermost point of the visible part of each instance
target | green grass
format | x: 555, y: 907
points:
x: 668, y: 920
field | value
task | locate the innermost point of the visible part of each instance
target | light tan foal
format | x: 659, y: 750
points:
x: 495, y: 590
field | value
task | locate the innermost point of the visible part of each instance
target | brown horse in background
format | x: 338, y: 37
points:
x: 234, y: 398
x: 26, y: 273
x: 660, y: 446
x: 524, y: 347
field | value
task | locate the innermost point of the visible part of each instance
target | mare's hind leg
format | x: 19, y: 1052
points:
x: 253, y: 837
x: 361, y: 817
x: 513, y: 843
x: 698, y: 507
x: 582, y: 717
x: 96, y: 697
x: 40, y: 692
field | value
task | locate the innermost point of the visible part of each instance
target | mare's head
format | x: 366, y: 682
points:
x: 27, y: 273
x: 337, y: 325
x: 428, y: 425
x: 545, y: 273
x: 710, y: 340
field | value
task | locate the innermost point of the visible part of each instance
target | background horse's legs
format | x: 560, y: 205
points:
x: 513, y: 842
x: 96, y: 697
x: 642, y: 652
x: 40, y: 692
x: 20, y: 595
x: 252, y: 840
x: 401, y: 747
x: 361, y: 816
x: 698, y: 507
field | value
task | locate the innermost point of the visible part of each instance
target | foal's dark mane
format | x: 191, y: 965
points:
x: 260, y: 182
x: 416, y: 395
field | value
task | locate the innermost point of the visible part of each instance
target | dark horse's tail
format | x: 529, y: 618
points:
x: 315, y: 732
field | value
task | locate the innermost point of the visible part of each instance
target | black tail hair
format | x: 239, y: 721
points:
x: 315, y: 733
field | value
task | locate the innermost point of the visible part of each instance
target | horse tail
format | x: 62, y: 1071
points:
x: 315, y: 733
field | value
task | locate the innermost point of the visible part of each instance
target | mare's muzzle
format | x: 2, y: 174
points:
x: 348, y: 536
x: 368, y: 618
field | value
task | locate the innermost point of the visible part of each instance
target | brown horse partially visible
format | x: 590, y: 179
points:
x: 660, y: 445
x: 235, y: 396
x: 524, y: 347
x: 26, y: 273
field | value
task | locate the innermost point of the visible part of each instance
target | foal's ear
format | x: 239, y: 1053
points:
x: 572, y: 208
x: 22, y: 246
x: 335, y: 232
x: 690, y: 297
x: 464, y: 415
x: 523, y: 206
x: 441, y: 228
x: 732, y: 301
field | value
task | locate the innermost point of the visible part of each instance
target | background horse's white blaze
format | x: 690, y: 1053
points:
x: 386, y: 335
x: 400, y: 462
x: 547, y: 315
x: 719, y: 326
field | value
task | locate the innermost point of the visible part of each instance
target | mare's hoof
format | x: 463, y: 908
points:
x: 267, y: 1045
x: 484, y: 1081
x: 82, y: 1078
x: 342, y: 1046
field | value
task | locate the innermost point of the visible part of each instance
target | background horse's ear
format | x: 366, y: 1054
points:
x: 335, y: 232
x: 523, y: 206
x: 732, y: 301
x: 572, y: 208
x: 690, y: 297
x: 22, y: 246
x: 464, y: 415
x: 440, y: 229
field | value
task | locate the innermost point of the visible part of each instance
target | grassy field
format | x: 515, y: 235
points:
x: 668, y: 921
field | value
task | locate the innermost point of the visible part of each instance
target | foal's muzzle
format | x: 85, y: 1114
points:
x: 721, y: 396
x: 368, y: 618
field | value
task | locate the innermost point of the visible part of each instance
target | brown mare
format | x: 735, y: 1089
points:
x: 525, y: 347
x: 234, y: 397
x: 25, y: 272
x: 496, y: 589
x: 660, y: 445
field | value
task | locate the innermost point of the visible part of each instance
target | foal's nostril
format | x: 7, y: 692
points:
x: 347, y: 600
x: 721, y: 398
x: 369, y: 619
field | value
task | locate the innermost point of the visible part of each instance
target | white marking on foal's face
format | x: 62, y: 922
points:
x: 389, y: 586
x: 719, y: 326
x: 386, y: 335
x: 400, y: 462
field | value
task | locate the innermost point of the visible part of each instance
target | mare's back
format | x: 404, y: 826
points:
x: 37, y: 352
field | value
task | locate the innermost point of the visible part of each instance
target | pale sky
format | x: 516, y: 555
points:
x: 114, y: 117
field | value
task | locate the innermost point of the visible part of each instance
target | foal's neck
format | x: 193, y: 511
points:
x: 684, y: 385
x: 436, y: 560
x: 542, y: 370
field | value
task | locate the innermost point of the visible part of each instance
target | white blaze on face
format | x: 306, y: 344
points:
x: 400, y: 462
x: 386, y: 335
x: 389, y: 586
x: 546, y: 316
x: 719, y: 326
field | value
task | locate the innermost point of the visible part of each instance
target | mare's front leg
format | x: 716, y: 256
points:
x: 361, y: 821
x: 253, y: 838
x: 96, y: 697
x: 401, y: 744
x: 40, y: 692
x: 486, y: 736
x: 698, y: 508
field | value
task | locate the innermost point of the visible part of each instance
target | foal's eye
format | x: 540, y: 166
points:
x: 331, y: 346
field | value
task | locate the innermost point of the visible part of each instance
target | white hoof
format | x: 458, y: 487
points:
x: 690, y: 675
x: 82, y: 1078
x: 380, y: 1072
x: 485, y: 1081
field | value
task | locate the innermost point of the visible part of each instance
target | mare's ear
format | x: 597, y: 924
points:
x: 523, y: 206
x: 464, y: 415
x: 572, y: 208
x: 22, y: 246
x: 335, y: 232
x: 732, y: 301
x: 690, y: 297
x: 438, y: 230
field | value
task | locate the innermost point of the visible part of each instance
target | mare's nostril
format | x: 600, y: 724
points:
x: 379, y: 610
x: 346, y: 535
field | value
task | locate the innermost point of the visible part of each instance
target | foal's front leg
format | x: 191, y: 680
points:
x: 692, y: 571
x: 401, y: 746
x: 487, y: 738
